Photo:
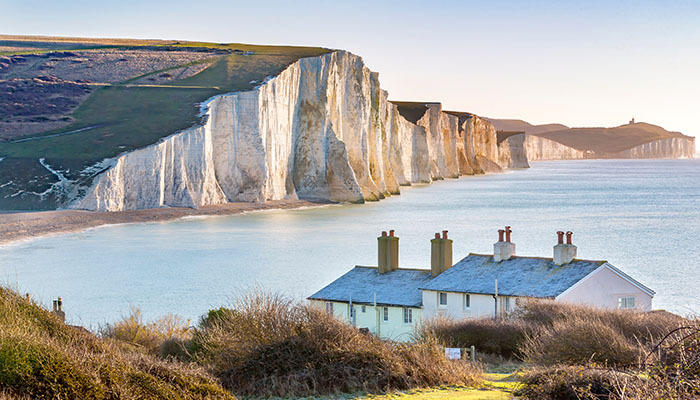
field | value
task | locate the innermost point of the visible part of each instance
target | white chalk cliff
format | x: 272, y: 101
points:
x: 321, y: 129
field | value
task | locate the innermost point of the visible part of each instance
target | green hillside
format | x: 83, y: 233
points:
x: 116, y: 116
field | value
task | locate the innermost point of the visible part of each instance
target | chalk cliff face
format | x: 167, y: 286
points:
x: 663, y: 148
x: 542, y: 149
x: 321, y: 129
x: 512, y: 153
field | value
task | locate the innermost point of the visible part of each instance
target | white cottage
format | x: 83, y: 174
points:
x: 391, y: 302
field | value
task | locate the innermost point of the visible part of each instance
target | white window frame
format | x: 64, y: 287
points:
x: 467, y: 301
x: 407, y: 315
x: 507, y: 304
x: 364, y: 308
x: 385, y: 314
x: 440, y: 304
x: 626, y: 303
x: 329, y: 307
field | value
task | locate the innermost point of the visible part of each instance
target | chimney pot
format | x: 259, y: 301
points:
x: 391, y: 233
x: 437, y: 235
x: 383, y: 233
x: 560, y: 237
x: 508, y: 231
x: 568, y: 237
x: 444, y: 234
x: 500, y: 235
x: 55, y: 305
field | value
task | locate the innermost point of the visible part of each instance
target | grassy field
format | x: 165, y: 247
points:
x: 122, y: 118
x: 497, y: 387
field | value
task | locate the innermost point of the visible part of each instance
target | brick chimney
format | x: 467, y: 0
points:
x: 58, y: 309
x: 388, y: 252
x: 564, y: 253
x: 503, y: 249
x: 440, y: 254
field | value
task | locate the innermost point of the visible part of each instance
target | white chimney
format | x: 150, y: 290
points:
x: 564, y: 253
x: 503, y: 249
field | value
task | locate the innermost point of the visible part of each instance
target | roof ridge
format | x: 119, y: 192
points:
x: 541, y: 258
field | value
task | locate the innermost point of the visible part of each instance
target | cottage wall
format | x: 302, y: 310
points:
x: 480, y: 305
x: 604, y: 288
x: 393, y: 329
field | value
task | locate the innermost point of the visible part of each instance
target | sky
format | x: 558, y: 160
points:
x: 588, y: 63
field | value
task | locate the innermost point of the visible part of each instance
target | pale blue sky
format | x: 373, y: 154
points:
x: 589, y: 63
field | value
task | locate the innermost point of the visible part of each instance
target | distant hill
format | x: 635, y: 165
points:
x: 610, y: 140
x: 596, y: 140
x: 518, y: 125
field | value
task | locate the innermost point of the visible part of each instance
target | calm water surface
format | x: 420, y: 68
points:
x: 642, y: 216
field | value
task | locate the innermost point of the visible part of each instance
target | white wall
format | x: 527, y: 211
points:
x: 480, y: 305
x: 603, y: 288
x: 393, y: 329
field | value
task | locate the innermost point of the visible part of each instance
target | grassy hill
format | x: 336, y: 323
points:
x: 610, y: 140
x: 168, y: 81
x: 42, y: 358
x: 518, y: 125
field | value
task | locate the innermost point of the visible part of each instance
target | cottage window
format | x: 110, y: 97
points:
x: 329, y: 307
x: 364, y: 308
x: 385, y: 311
x: 467, y: 301
x: 352, y: 312
x: 407, y: 315
x: 625, y: 302
x: 507, y: 304
x: 443, y: 299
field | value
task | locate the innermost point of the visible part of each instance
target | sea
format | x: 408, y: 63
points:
x: 643, y: 216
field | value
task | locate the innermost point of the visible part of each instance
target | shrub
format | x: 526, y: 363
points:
x: 579, y: 340
x: 645, y: 327
x: 150, y: 336
x: 42, y: 358
x: 549, y: 333
x: 498, y: 337
x: 570, y: 382
x: 268, y: 345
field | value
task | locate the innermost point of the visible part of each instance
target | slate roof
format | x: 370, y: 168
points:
x: 394, y: 288
x: 517, y: 276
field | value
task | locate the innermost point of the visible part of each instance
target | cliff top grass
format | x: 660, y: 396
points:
x: 42, y: 358
x: 119, y: 116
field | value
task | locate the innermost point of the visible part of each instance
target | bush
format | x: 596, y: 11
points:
x: 644, y: 327
x: 549, y: 333
x: 42, y: 358
x: 579, y: 340
x: 487, y: 335
x: 570, y: 382
x: 158, y: 338
x: 268, y: 345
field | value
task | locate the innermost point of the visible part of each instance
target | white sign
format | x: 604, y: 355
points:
x: 453, y: 353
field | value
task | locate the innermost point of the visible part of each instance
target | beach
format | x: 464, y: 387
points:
x: 20, y: 226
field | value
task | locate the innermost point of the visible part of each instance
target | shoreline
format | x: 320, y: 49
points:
x: 21, y: 226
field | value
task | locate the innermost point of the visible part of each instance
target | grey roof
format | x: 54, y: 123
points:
x: 517, y: 276
x: 397, y: 288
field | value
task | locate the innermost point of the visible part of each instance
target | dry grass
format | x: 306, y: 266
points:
x: 268, y: 345
x: 160, y: 337
x: 42, y: 358
x: 550, y: 333
x: 494, y: 337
